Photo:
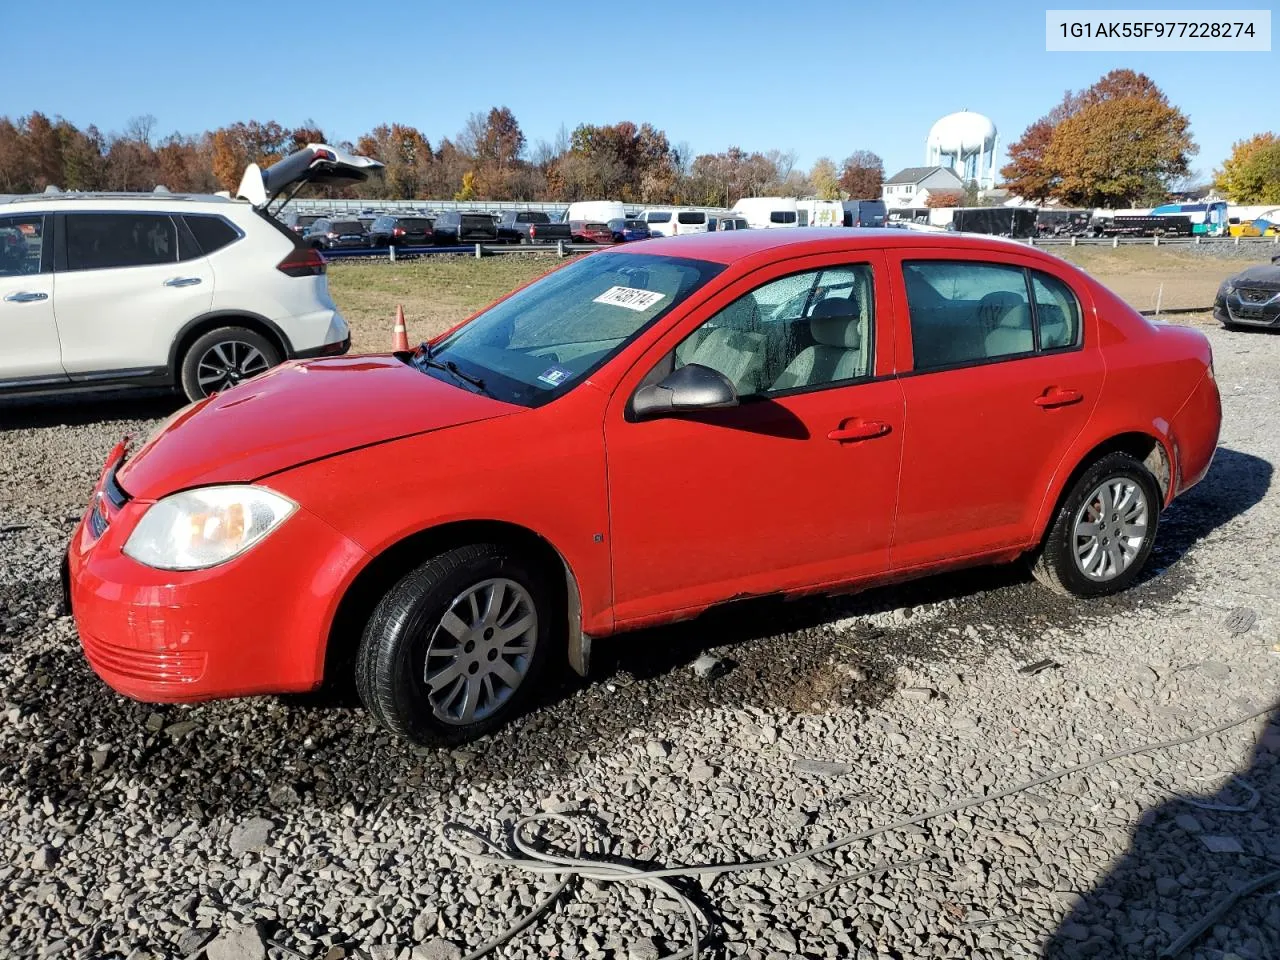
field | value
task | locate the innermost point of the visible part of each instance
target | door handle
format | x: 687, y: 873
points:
x: 855, y: 430
x: 1058, y: 397
x: 24, y: 297
x: 182, y: 281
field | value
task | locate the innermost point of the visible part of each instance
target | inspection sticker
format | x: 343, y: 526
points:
x: 630, y: 297
x: 554, y: 376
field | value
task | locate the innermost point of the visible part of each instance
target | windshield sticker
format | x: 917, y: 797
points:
x: 630, y: 297
x: 554, y: 376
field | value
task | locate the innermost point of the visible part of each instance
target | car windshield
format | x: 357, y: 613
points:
x: 548, y: 337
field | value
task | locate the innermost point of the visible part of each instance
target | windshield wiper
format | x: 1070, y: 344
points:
x: 449, y: 367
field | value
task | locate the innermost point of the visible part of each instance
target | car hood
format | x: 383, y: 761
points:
x: 298, y: 412
x: 1261, y: 276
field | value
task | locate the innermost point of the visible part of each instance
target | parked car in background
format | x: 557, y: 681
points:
x: 852, y: 360
x: 147, y: 289
x: 671, y: 223
x: 625, y: 230
x: 820, y: 213
x: 530, y: 226
x: 1251, y: 298
x: 455, y: 226
x: 401, y: 230
x: 589, y: 231
x: 298, y: 222
x: 764, y: 213
x: 332, y: 234
x: 727, y: 221
x: 601, y: 211
x: 864, y: 213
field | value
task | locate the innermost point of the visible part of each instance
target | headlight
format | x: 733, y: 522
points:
x: 202, y: 528
x: 1228, y: 288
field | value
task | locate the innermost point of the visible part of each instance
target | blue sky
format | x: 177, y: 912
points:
x: 822, y: 77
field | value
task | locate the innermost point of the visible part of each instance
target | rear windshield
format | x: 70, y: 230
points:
x: 477, y: 220
x: 415, y: 223
x: 782, y: 216
x: 691, y: 217
x: 635, y: 224
x: 658, y: 218
x: 307, y: 219
x: 532, y: 217
x: 347, y: 226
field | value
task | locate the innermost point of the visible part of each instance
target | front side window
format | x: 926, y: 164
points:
x: 21, y: 245
x: 97, y: 241
x: 965, y: 312
x: 548, y: 337
x: 782, y: 216
x: 802, y: 331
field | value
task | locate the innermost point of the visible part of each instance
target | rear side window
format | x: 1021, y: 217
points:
x: 782, y: 216
x: 691, y: 217
x: 965, y: 312
x: 97, y: 241
x: 21, y: 245
x: 212, y: 233
x: 658, y: 217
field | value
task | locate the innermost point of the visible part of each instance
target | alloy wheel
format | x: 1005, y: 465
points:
x: 227, y: 363
x: 480, y: 651
x: 1110, y: 529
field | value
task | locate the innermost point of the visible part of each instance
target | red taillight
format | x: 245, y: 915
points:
x: 398, y: 232
x: 302, y: 262
x: 533, y: 232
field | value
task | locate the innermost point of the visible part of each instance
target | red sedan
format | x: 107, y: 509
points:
x: 628, y: 441
x: 586, y: 231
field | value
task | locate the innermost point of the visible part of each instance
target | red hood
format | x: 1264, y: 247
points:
x: 296, y: 413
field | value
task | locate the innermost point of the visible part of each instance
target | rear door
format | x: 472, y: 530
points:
x: 127, y: 283
x: 1004, y: 374
x: 27, y: 327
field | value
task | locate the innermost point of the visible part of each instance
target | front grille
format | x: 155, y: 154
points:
x: 114, y: 492
x: 156, y: 666
x: 97, y: 522
x: 1254, y: 295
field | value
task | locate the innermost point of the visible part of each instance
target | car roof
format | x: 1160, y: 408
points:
x: 732, y: 245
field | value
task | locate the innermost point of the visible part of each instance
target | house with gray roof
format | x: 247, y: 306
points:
x: 911, y: 187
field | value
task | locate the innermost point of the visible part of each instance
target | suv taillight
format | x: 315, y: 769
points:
x: 398, y: 232
x: 533, y: 231
x: 302, y: 262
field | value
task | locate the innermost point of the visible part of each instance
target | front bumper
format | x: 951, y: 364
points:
x: 1235, y: 310
x: 256, y: 624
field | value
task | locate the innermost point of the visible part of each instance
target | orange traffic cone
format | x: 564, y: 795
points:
x: 399, y: 335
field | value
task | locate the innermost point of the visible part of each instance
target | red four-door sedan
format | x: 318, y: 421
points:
x: 628, y: 441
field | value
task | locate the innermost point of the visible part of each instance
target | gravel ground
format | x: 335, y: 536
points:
x: 128, y: 830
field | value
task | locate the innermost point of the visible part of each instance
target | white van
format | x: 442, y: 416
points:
x: 765, y: 213
x: 597, y: 211
x: 822, y: 213
x: 674, y: 222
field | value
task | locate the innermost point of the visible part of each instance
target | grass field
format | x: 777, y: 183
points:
x: 437, y: 292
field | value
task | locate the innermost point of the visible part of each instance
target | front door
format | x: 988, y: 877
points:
x: 793, y: 488
x: 1006, y: 374
x: 127, y: 287
x: 30, y: 353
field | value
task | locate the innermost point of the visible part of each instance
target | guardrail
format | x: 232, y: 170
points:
x: 560, y: 249
x: 1144, y: 241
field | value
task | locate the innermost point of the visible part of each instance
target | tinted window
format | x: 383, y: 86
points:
x: 100, y: 240
x: 691, y: 217
x: 21, y: 243
x: 347, y: 226
x: 477, y: 221
x: 658, y: 217
x: 1057, y: 312
x: 212, y: 233
x: 782, y: 216
x: 800, y: 331
x: 415, y: 224
x: 635, y: 224
x: 532, y: 217
x: 965, y: 312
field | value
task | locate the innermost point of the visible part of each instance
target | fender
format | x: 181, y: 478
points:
x: 204, y: 318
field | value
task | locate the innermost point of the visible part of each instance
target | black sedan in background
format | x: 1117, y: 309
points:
x: 1250, y: 298
x: 626, y: 230
x: 326, y: 234
x: 392, y: 230
x: 454, y: 226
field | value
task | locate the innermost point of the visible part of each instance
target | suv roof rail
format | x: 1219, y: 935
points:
x: 52, y: 188
x: 160, y: 193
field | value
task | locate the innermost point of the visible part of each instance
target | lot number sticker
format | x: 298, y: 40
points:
x: 630, y: 297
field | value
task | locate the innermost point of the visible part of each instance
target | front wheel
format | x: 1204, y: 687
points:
x: 1104, y: 530
x: 455, y: 649
x: 224, y: 357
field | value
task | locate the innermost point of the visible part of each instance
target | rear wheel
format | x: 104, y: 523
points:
x: 1104, y: 530
x: 221, y: 358
x: 455, y: 649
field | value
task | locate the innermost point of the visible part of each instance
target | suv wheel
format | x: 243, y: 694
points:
x: 1104, y: 530
x: 221, y: 358
x: 455, y: 649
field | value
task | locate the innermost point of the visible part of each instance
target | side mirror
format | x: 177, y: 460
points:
x: 691, y: 387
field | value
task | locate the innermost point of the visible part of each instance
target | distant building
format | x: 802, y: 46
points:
x: 912, y: 187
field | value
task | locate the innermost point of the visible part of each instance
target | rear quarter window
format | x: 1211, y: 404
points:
x: 211, y: 233
x: 782, y: 216
x: 658, y: 218
x: 691, y: 218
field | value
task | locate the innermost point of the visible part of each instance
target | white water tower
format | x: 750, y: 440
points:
x: 967, y: 143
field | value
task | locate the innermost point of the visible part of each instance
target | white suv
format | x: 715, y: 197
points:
x: 198, y: 292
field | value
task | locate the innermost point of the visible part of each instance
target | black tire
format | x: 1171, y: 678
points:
x: 391, y: 660
x: 228, y: 338
x: 1055, y: 564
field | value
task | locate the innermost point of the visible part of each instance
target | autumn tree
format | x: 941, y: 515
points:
x: 862, y: 175
x: 1252, y: 173
x: 946, y: 198
x: 825, y: 179
x: 407, y: 161
x: 236, y: 146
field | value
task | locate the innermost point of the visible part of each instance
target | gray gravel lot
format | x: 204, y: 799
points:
x: 129, y: 830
